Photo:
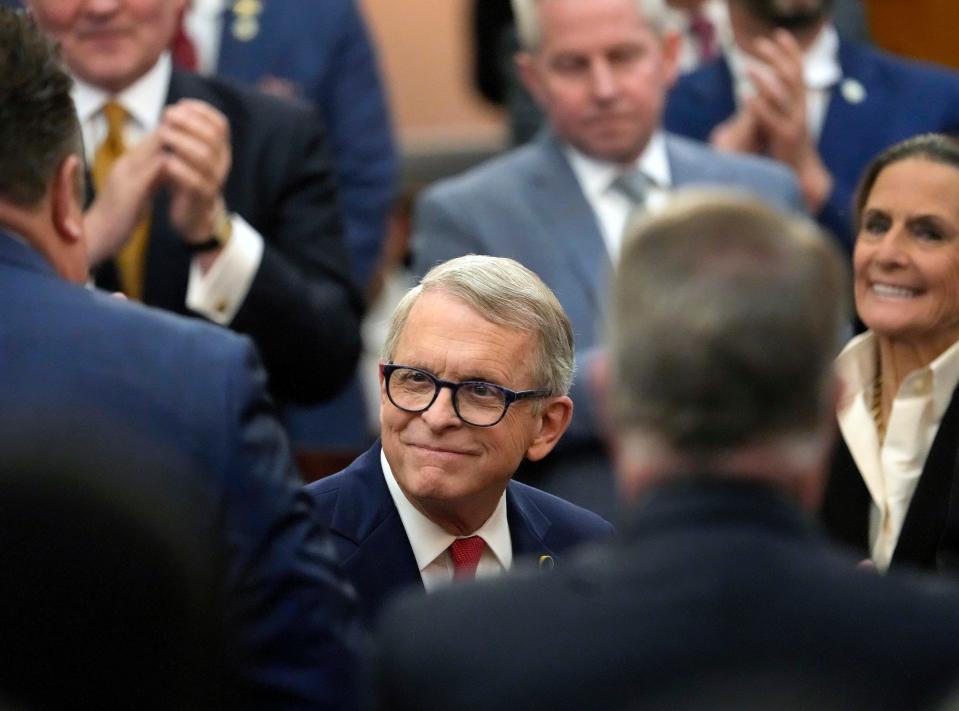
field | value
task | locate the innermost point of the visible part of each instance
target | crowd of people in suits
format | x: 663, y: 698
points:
x: 639, y: 316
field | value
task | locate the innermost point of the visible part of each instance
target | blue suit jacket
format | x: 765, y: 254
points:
x: 527, y: 204
x: 900, y: 99
x: 324, y: 54
x: 73, y: 355
x: 376, y: 554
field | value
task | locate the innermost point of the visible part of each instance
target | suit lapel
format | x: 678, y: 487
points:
x: 845, y: 117
x: 382, y: 561
x: 245, y: 59
x: 568, y: 220
x: 527, y: 527
x: 846, y: 503
x: 920, y: 541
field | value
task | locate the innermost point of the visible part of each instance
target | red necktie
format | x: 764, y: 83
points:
x: 466, y: 553
x: 181, y: 47
x: 705, y: 35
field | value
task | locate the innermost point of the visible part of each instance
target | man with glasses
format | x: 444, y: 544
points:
x: 476, y: 369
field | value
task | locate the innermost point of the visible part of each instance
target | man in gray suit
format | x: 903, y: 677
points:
x: 599, y: 69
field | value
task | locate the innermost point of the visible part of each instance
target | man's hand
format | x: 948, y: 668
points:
x: 739, y: 133
x: 124, y: 200
x: 196, y: 139
x: 779, y: 110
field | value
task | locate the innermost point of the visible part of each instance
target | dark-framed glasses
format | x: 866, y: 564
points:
x: 475, y: 402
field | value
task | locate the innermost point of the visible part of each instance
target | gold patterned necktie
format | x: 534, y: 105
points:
x: 130, y: 259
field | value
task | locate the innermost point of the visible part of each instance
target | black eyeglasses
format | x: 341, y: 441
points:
x: 475, y: 402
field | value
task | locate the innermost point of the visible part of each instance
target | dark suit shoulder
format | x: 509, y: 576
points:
x: 567, y: 519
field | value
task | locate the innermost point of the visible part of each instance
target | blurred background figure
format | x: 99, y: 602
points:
x: 211, y: 200
x: 110, y: 587
x: 75, y: 356
x: 721, y: 587
x: 792, y: 87
x: 704, y: 26
x: 894, y: 489
x: 558, y: 205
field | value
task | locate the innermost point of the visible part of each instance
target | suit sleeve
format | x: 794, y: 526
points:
x: 303, y: 309
x: 290, y: 615
x: 357, y: 117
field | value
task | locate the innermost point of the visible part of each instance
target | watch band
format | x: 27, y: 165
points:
x: 222, y: 232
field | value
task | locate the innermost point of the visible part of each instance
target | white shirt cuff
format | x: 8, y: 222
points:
x: 220, y: 292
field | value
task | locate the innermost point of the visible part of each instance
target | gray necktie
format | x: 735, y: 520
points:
x: 633, y: 184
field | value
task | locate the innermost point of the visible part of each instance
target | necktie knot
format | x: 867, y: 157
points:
x: 633, y: 184
x: 116, y: 117
x: 705, y: 33
x: 466, y: 554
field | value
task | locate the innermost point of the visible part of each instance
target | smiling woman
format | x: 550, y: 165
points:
x: 894, y: 489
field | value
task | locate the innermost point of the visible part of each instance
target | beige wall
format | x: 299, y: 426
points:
x: 424, y: 54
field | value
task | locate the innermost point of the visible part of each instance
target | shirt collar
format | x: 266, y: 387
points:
x: 429, y: 541
x: 821, y: 68
x: 209, y: 8
x: 856, y: 366
x: 595, y: 175
x: 143, y: 100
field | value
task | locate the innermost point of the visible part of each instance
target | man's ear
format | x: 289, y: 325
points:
x: 66, y: 199
x: 553, y: 421
x: 531, y: 75
x: 672, y: 46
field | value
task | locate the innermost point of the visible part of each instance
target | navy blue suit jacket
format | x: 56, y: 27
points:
x: 73, y: 356
x: 719, y: 595
x: 899, y: 99
x: 376, y: 554
x: 323, y: 53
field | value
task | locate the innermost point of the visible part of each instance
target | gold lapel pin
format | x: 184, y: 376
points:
x: 246, y: 19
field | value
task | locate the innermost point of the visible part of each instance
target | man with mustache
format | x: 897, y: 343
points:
x: 791, y: 87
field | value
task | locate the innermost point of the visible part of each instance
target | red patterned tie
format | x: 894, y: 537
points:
x: 466, y: 553
x: 705, y: 34
x: 182, y: 48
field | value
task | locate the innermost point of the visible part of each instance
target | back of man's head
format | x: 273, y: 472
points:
x: 726, y: 318
x: 38, y: 123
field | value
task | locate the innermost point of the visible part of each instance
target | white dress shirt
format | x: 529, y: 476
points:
x: 204, y: 25
x: 431, y: 543
x: 611, y: 207
x: 891, y: 471
x: 220, y: 292
x: 716, y: 13
x: 821, y: 72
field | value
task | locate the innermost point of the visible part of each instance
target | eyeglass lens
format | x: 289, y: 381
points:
x: 477, y: 403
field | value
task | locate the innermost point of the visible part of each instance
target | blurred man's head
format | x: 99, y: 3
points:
x: 494, y: 328
x: 109, y: 43
x: 600, y: 70
x: 727, y: 316
x: 788, y: 14
x: 41, y: 169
